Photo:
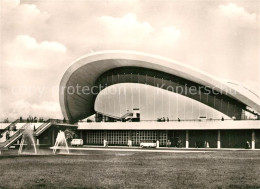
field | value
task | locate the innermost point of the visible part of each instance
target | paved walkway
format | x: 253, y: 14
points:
x: 134, y: 150
x: 162, y: 149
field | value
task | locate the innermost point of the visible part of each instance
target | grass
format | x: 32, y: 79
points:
x: 109, y: 169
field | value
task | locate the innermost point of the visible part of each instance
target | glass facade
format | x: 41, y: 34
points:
x: 117, y: 137
x: 120, y: 138
x: 94, y: 137
x: 173, y: 138
x: 162, y: 138
x: 195, y: 91
x: 142, y: 136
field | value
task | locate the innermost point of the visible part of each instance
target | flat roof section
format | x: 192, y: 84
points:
x: 182, y: 125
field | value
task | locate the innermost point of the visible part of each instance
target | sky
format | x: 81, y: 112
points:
x: 40, y: 39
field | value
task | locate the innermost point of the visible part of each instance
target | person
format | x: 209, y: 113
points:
x: 14, y: 128
x: 168, y: 119
x: 168, y: 143
x: 205, y: 144
x: 105, y: 143
x: 222, y: 119
x: 179, y: 144
x: 248, y: 145
x: 7, y: 135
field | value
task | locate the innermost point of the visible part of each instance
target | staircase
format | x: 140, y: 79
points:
x: 11, y: 124
x: 126, y: 116
x: 8, y: 127
x: 14, y: 137
x: 42, y: 128
x: 37, y: 132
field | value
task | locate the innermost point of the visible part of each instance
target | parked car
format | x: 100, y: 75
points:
x: 147, y: 144
x: 77, y: 142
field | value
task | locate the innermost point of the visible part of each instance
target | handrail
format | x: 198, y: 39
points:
x: 117, y: 117
x: 60, y: 121
x: 11, y: 124
x: 127, y: 114
x: 14, y: 137
x: 39, y: 130
x: 41, y: 127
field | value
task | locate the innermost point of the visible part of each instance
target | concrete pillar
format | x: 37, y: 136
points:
x: 130, y: 139
x: 157, y: 139
x: 37, y: 141
x: 187, y: 139
x: 80, y: 134
x: 157, y: 144
x: 253, y: 139
x: 105, y: 138
x: 53, y: 138
x: 96, y: 117
x: 218, y: 143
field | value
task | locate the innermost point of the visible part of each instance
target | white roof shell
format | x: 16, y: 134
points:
x: 88, y: 68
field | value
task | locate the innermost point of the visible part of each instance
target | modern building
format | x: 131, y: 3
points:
x: 163, y: 100
x: 124, y: 98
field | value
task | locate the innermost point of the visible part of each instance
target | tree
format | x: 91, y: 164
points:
x: 69, y: 134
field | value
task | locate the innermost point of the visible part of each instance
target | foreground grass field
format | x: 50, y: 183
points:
x: 109, y: 169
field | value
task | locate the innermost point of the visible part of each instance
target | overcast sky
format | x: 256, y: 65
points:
x: 40, y: 39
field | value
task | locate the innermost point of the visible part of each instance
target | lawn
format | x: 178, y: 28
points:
x: 109, y: 169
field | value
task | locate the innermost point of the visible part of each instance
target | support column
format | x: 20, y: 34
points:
x: 105, y: 138
x: 167, y: 142
x: 96, y: 117
x: 80, y: 134
x: 130, y: 139
x: 187, y: 139
x: 37, y: 141
x: 157, y: 144
x: 53, y: 138
x: 157, y: 139
x: 253, y: 139
x: 218, y: 143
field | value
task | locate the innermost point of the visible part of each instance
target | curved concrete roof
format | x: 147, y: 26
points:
x: 87, y: 69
